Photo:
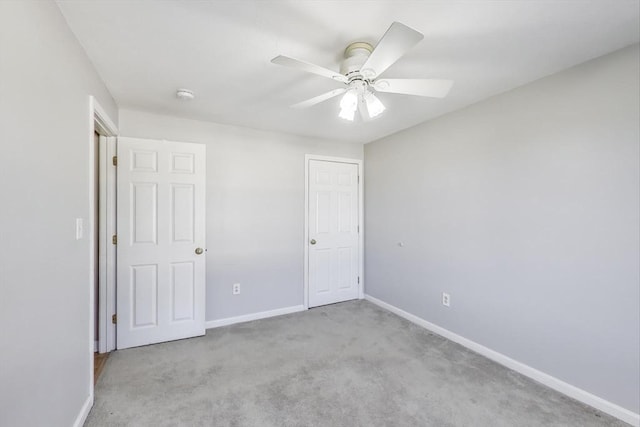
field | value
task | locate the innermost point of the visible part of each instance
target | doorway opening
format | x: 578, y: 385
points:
x: 101, y: 258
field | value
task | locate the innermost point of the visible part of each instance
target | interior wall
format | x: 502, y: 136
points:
x: 255, y: 208
x: 45, y: 83
x: 524, y: 208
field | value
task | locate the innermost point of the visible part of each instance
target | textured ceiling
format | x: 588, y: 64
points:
x: 145, y: 50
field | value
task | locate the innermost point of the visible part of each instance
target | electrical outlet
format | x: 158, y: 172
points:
x: 236, y: 288
x: 446, y: 299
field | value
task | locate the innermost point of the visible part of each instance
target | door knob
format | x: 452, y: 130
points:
x: 313, y: 241
x: 199, y: 251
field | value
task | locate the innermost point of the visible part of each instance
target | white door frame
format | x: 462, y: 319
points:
x: 100, y: 122
x: 358, y: 162
x: 107, y: 227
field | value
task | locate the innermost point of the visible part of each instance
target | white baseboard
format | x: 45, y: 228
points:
x: 95, y: 346
x: 539, y: 376
x: 253, y: 316
x: 84, y: 412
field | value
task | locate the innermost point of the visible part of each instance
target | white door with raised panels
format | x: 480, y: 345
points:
x: 160, y: 241
x: 333, y: 232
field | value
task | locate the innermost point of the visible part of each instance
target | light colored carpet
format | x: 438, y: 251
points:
x: 349, y: 364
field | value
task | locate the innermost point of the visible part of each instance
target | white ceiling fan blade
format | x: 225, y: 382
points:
x: 320, y: 98
x: 396, y: 42
x: 434, y: 88
x: 308, y: 67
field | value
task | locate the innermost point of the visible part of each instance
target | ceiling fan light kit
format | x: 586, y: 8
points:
x: 360, y: 71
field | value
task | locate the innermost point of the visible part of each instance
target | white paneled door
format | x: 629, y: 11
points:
x: 333, y: 222
x: 160, y: 241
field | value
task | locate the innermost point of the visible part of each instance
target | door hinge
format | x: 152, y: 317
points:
x: 115, y: 160
x: 358, y: 179
x: 114, y: 318
x: 114, y: 239
x: 358, y: 229
x: 358, y: 280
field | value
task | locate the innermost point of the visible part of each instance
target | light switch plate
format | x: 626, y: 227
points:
x: 79, y: 228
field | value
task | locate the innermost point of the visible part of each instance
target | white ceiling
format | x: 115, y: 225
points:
x: 145, y: 50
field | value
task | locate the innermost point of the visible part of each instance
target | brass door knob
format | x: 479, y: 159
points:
x: 199, y: 251
x: 313, y: 241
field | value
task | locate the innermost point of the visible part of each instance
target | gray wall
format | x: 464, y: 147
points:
x: 45, y: 83
x: 255, y: 208
x: 524, y: 208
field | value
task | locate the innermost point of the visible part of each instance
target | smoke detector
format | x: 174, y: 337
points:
x: 184, y: 94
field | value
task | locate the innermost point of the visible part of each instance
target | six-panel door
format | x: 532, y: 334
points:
x: 333, y: 232
x: 161, y: 224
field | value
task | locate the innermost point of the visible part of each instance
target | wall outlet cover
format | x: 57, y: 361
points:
x: 446, y: 299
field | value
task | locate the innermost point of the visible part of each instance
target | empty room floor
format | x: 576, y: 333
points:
x: 348, y: 364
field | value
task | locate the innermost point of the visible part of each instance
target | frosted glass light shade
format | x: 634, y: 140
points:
x: 348, y: 105
x: 374, y: 106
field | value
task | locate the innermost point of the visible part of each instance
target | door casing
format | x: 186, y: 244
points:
x: 98, y: 122
x: 104, y: 126
x: 107, y: 229
x: 359, y: 163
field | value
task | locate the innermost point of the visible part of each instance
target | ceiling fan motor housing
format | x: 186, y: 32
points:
x: 355, y: 55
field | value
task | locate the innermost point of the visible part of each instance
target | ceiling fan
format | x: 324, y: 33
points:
x: 360, y: 73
